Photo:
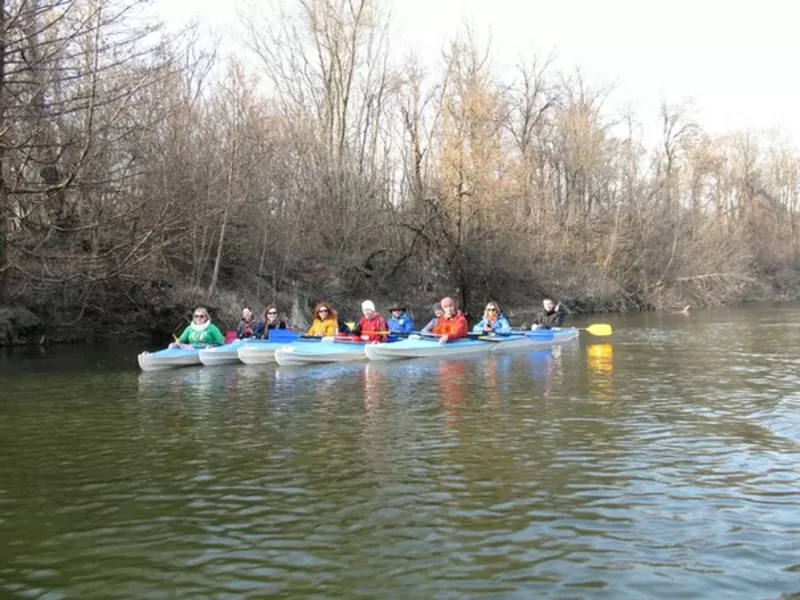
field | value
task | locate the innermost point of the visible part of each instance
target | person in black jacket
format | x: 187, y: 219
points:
x: 551, y: 317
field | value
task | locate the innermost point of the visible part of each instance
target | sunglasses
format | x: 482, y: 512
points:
x: 199, y: 316
x: 491, y: 309
x: 272, y: 312
x: 323, y: 310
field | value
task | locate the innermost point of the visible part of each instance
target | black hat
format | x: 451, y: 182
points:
x: 396, y: 306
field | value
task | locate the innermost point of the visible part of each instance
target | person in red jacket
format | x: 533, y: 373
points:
x: 452, y: 325
x: 372, y: 326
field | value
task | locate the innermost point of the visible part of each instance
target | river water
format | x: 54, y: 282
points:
x: 662, y: 462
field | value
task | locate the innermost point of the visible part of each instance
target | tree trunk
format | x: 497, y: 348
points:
x: 228, y: 196
x: 5, y: 207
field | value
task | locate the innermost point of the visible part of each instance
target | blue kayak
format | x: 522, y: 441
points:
x: 421, y: 347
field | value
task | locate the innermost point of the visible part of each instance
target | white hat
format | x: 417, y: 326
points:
x: 367, y: 305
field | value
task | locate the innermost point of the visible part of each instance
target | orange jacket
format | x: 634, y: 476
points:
x: 454, y: 328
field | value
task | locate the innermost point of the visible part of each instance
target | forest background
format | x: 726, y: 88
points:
x: 142, y: 174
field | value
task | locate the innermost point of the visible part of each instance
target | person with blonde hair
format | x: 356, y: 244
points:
x: 201, y: 331
x: 493, y: 321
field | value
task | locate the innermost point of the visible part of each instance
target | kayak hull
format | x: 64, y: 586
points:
x: 229, y: 353
x: 425, y: 348
x: 535, y: 339
x: 259, y: 354
x: 169, y: 358
x: 326, y: 351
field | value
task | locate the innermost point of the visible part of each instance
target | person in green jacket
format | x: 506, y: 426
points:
x: 201, y: 332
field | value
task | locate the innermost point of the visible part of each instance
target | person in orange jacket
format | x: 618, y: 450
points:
x: 325, y: 323
x: 372, y: 326
x: 452, y: 325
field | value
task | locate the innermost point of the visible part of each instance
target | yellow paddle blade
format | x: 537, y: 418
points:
x: 599, y: 329
x: 350, y: 325
x: 175, y: 337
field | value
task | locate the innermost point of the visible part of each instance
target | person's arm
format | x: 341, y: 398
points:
x: 184, y: 339
x: 408, y: 325
x: 502, y: 325
x: 282, y: 325
x: 314, y: 329
x: 216, y: 335
x: 330, y: 328
x: 429, y: 327
x: 478, y: 328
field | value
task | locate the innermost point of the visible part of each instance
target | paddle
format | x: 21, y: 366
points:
x: 600, y: 329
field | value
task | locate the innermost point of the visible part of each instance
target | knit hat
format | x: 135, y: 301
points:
x: 367, y: 305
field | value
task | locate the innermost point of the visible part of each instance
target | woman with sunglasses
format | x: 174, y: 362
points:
x: 325, y: 323
x: 272, y: 320
x: 493, y: 321
x: 201, y: 332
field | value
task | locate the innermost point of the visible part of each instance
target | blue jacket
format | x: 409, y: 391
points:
x: 501, y: 325
x: 402, y: 324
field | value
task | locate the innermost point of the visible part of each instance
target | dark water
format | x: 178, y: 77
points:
x: 663, y: 462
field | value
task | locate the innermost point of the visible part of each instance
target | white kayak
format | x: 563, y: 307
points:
x: 326, y: 350
x: 229, y: 353
x: 169, y: 358
x: 259, y: 354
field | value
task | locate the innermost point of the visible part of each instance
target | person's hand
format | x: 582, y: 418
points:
x: 487, y: 330
x: 365, y: 338
x: 443, y: 339
x: 174, y: 345
x: 534, y: 327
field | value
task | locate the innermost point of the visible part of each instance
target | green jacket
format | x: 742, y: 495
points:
x: 210, y: 335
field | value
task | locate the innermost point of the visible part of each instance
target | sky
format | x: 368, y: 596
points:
x: 733, y: 61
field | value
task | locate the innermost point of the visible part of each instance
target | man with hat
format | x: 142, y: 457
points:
x: 399, y: 322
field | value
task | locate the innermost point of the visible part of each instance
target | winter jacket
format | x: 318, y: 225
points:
x: 209, y: 335
x: 249, y: 329
x: 549, y: 320
x: 402, y: 324
x: 368, y: 327
x: 324, y: 328
x: 499, y: 325
x: 454, y: 328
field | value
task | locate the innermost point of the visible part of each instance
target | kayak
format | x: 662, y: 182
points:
x: 324, y: 350
x: 531, y: 339
x: 415, y: 347
x: 259, y: 354
x: 229, y: 353
x: 169, y: 358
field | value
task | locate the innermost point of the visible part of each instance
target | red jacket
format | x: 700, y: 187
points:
x: 454, y: 328
x: 368, y: 327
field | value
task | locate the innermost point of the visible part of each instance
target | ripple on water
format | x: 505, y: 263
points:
x: 669, y: 470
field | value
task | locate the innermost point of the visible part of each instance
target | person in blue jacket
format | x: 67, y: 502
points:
x: 399, y: 322
x: 493, y: 321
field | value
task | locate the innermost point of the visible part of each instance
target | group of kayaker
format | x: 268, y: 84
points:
x: 448, y: 323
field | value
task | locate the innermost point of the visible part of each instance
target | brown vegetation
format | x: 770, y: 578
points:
x: 136, y: 181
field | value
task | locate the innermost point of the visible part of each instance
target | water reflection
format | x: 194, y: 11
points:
x: 663, y: 466
x: 600, y: 365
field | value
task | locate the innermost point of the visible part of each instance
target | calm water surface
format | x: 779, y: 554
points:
x: 663, y: 462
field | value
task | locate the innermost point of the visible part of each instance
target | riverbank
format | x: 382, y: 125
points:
x: 29, y: 326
